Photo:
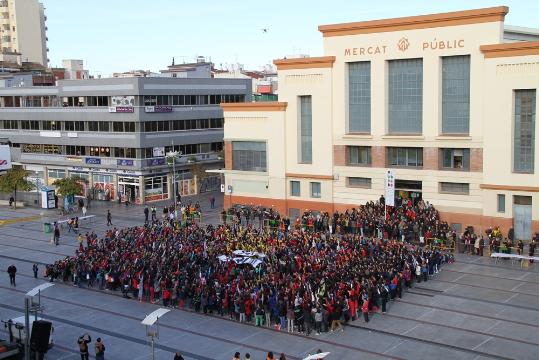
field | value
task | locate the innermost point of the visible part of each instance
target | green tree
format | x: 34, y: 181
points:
x: 15, y: 180
x: 69, y: 186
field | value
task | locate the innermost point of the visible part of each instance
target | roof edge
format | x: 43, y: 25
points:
x: 416, y: 22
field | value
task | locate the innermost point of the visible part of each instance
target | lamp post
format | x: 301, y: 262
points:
x: 151, y: 331
x: 37, y: 188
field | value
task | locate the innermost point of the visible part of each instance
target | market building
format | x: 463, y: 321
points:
x: 114, y: 133
x: 447, y: 101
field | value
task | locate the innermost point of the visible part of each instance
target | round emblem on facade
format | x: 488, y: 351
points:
x: 403, y: 44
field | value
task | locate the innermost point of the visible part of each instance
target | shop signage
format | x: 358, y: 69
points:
x: 158, y: 109
x: 156, y: 162
x: 93, y: 161
x: 124, y: 162
x: 443, y: 44
x: 369, y: 50
x: 121, y: 109
x: 73, y: 158
x: 159, y: 151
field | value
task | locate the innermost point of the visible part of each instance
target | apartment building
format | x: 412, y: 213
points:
x: 23, y: 30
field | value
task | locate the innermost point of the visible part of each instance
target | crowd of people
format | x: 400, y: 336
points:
x: 309, y: 277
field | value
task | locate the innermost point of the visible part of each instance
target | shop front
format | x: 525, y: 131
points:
x: 85, y: 183
x: 103, y: 187
x: 156, y: 188
x: 55, y: 174
x: 129, y: 189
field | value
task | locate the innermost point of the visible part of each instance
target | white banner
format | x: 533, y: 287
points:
x: 244, y: 257
x: 5, y: 157
x: 390, y: 188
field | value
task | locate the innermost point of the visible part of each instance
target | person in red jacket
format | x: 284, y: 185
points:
x: 365, y: 309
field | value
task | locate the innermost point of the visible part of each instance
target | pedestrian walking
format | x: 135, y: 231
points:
x: 212, y: 202
x: 154, y: 213
x: 84, y: 210
x: 146, y: 213
x: 12, y: 271
x: 83, y: 342
x: 178, y: 356
x: 56, y: 236
x: 109, y: 218
x: 11, y: 201
x: 35, y: 270
x: 99, y: 348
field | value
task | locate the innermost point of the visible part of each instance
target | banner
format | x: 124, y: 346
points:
x: 389, y: 188
x: 240, y: 257
x: 5, y: 157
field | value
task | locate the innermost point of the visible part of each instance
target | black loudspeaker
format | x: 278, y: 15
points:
x: 41, y: 331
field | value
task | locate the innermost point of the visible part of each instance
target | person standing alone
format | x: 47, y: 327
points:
x: 12, y: 271
x: 109, y: 218
x: 35, y: 270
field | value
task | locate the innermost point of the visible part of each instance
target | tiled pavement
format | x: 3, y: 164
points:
x: 473, y: 309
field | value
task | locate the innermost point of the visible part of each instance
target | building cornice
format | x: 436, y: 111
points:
x: 509, y: 187
x: 255, y: 106
x: 305, y: 63
x: 309, y: 176
x: 522, y: 48
x: 465, y: 17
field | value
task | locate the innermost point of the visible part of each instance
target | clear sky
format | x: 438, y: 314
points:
x: 120, y: 35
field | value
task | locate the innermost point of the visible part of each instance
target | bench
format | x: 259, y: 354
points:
x: 18, y: 203
x: 63, y: 223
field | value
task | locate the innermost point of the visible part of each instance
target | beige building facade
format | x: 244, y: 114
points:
x: 23, y: 30
x: 441, y: 99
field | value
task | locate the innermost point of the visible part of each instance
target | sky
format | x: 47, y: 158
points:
x: 121, y: 35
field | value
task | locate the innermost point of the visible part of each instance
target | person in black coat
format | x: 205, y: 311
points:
x: 12, y: 271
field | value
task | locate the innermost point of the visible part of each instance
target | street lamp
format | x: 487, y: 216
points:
x: 151, y: 331
x: 173, y: 155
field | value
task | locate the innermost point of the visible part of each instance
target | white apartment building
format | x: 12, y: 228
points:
x: 22, y: 30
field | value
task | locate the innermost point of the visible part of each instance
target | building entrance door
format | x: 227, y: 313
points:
x: 522, y: 217
x: 408, y: 189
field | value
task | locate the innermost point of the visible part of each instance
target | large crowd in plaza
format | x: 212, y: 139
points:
x: 308, y: 276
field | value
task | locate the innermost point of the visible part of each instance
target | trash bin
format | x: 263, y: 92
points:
x: 47, y: 227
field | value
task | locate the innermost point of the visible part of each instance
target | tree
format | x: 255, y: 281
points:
x: 69, y: 186
x: 198, y: 171
x: 15, y: 180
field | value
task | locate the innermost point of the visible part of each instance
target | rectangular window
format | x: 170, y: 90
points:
x: 248, y: 156
x: 315, y: 190
x: 524, y: 138
x: 75, y: 150
x: 501, y: 203
x: 306, y: 130
x: 359, y: 155
x: 93, y: 126
x: 29, y: 125
x: 295, y: 189
x: 359, y: 182
x: 359, y: 97
x: 455, y: 159
x: 405, y: 106
x: 456, y: 94
x: 11, y: 124
x: 51, y: 125
x: 454, y: 188
x: 104, y: 126
x: 407, y: 157
x: 57, y: 174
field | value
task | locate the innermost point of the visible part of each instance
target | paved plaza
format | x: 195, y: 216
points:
x: 473, y: 309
